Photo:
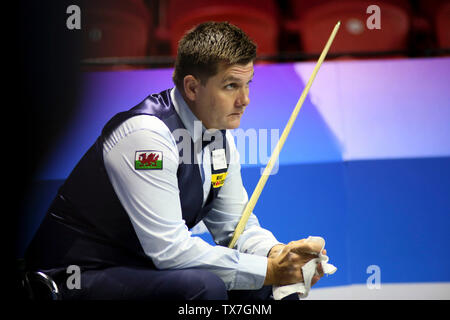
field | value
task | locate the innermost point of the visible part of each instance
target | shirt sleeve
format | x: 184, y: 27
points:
x: 151, y: 200
x: 227, y: 210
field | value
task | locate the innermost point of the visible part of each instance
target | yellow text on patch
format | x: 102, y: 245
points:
x: 218, y: 179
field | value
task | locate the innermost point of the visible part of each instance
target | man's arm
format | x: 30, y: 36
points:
x: 227, y: 210
x: 284, y: 261
x: 151, y: 199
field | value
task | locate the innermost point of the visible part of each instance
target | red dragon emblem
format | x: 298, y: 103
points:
x: 149, y: 160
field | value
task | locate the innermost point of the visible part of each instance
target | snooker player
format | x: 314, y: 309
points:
x: 124, y: 213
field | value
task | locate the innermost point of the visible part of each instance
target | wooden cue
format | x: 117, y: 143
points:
x: 265, y: 175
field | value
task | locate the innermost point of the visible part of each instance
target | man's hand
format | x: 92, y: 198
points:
x: 285, y: 267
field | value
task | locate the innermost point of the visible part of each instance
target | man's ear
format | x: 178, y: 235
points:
x: 191, y: 87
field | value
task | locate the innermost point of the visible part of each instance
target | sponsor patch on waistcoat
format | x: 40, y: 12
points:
x: 218, y: 179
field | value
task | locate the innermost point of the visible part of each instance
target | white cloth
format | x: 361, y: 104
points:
x: 151, y: 199
x: 308, y: 270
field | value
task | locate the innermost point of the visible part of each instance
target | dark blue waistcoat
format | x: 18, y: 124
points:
x: 86, y: 224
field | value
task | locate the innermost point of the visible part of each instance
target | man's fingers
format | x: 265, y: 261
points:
x: 314, y: 280
x: 307, y: 247
x: 317, y: 277
x: 312, y: 248
x: 320, y: 270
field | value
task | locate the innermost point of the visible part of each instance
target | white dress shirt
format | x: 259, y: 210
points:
x: 151, y: 199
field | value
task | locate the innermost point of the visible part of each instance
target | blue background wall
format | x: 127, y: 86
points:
x: 366, y: 165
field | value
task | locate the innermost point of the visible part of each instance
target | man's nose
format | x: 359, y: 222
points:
x: 243, y: 98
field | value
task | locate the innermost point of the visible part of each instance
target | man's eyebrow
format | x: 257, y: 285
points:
x: 235, y: 79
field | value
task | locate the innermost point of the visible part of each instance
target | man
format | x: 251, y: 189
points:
x: 124, y: 213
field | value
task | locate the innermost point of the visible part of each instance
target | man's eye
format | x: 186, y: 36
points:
x: 230, y: 86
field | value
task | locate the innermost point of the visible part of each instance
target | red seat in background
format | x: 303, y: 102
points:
x: 258, y: 18
x: 314, y: 21
x: 118, y: 28
x: 442, y: 25
x: 436, y: 14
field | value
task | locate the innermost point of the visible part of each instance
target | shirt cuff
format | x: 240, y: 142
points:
x: 251, y: 272
x: 264, y: 247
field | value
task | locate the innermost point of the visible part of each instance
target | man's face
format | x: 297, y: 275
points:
x: 221, y: 102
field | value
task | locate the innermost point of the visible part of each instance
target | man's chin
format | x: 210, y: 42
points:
x: 234, y: 125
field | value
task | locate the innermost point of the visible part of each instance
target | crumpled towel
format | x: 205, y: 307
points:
x: 309, y: 270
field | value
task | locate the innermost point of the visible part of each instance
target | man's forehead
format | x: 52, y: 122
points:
x: 237, y: 72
